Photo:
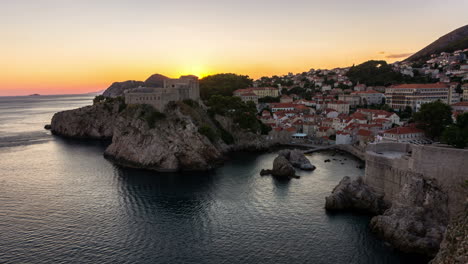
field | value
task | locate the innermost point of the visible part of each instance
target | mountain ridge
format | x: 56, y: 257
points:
x: 454, y: 40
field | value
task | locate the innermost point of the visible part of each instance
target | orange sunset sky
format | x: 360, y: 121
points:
x: 64, y: 46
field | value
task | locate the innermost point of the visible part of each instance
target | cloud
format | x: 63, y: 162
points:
x: 382, y: 52
x: 399, y: 55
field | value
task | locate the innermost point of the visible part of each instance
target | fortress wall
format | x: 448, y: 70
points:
x: 389, y: 146
x: 353, y: 150
x: 389, y: 173
x: 449, y: 166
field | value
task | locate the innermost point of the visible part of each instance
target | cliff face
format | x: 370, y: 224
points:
x: 94, y: 122
x: 417, y: 219
x: 454, y: 247
x: 145, y: 138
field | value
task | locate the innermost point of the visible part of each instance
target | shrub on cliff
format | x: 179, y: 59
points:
x: 150, y: 115
x: 208, y: 132
x: 243, y: 114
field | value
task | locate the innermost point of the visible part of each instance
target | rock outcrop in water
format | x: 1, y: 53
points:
x: 355, y: 195
x: 144, y: 138
x: 417, y: 219
x: 297, y: 159
x: 282, y: 168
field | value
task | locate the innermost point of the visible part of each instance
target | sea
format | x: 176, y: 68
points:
x: 61, y: 201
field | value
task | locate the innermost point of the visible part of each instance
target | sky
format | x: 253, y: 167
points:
x: 71, y: 46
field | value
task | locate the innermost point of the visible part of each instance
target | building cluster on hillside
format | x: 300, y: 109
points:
x: 331, y: 109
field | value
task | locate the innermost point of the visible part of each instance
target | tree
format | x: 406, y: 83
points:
x: 244, y: 114
x: 406, y: 113
x: 269, y: 99
x: 375, y: 73
x: 459, y: 89
x: 223, y: 84
x: 457, y: 134
x: 433, y: 118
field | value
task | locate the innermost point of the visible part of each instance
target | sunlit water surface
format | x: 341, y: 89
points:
x: 62, y: 202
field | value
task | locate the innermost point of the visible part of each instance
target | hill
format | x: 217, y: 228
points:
x: 455, y: 40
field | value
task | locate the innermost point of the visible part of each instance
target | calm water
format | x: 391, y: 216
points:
x: 62, y: 202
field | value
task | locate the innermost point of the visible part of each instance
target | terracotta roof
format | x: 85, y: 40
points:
x: 282, y: 105
x: 465, y: 103
x: 420, y: 86
x: 342, y: 133
x: 403, y: 130
x: 323, y: 128
x: 364, y: 133
x: 366, y: 92
x: 301, y: 107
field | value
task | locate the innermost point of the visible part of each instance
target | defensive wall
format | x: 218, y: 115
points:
x: 390, y: 165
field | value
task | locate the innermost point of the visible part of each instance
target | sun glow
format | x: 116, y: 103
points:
x: 198, y: 70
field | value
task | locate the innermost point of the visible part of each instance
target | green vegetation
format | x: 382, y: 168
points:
x: 208, y: 132
x: 110, y: 101
x: 302, y: 92
x: 99, y: 99
x: 226, y: 136
x: 433, y: 118
x: 406, y: 113
x: 243, y: 114
x: 150, y: 115
x: 269, y: 99
x: 374, y: 73
x: 457, y: 134
x: 191, y: 103
x: 223, y: 84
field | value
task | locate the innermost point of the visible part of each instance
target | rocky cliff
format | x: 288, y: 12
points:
x: 355, y: 195
x: 417, y: 220
x: 454, y: 247
x: 183, y: 137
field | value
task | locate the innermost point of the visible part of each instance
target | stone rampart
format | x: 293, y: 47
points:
x: 390, y: 165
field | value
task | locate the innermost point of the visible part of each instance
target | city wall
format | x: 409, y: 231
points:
x: 390, y: 165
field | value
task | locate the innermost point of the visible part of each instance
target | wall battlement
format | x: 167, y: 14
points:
x: 186, y: 87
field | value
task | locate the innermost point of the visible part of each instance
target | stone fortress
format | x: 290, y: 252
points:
x: 186, y: 87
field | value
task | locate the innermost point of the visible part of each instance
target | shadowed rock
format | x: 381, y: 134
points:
x: 297, y: 159
x: 417, y: 220
x: 282, y: 168
x: 355, y: 195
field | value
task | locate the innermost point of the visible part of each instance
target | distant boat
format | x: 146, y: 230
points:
x: 34, y: 95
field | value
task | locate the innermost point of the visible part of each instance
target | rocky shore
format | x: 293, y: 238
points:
x: 415, y: 222
x: 355, y: 195
x: 144, y: 138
